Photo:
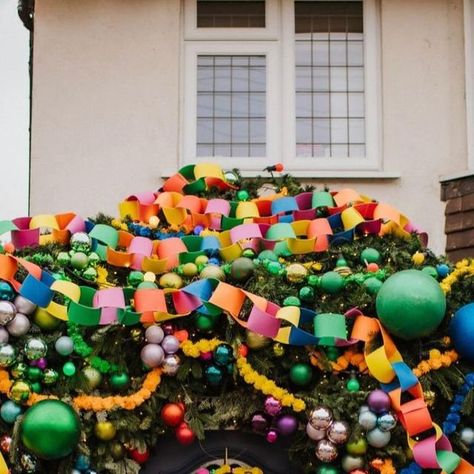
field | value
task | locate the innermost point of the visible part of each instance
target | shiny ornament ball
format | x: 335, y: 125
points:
x: 353, y: 385
x: 243, y: 195
x: 242, y: 269
x: 44, y: 320
x: 411, y: 304
x: 7, y: 312
x: 349, y: 463
x: 223, y: 355
x: 64, y: 346
x: 357, y: 447
x: 120, y: 381
x: 28, y: 463
x: 461, y: 330
x: 327, y: 469
x: 272, y: 436
x: 171, y: 365
x: 301, y: 374
x: 287, y: 425
x: 63, y: 259
x: 89, y: 274
x: 320, y: 418
x: 7, y: 355
x: 430, y: 397
x: 35, y: 348
x: 306, y: 294
x: 50, y: 376
x: 272, y: 406
x: 274, y: 268
x: 314, y: 434
x: 80, y: 242
x: 79, y: 261
x: 93, y: 377
x: 69, y: 369
x: 34, y: 374
x: 82, y: 462
x: 467, y: 436
x: 50, y: 429
x: 5, y: 443
x: 117, y: 450
x: 4, y: 335
x: 170, y: 344
x: 154, y: 334
x: 387, y: 422
x: 332, y: 282
x: 368, y: 420
x: 24, y: 305
x: 172, y: 414
x: 378, y: 438
x: 19, y: 370
x: 326, y: 451
x: 141, y: 457
x: 7, y: 293
x: 19, y: 325
x: 212, y: 271
x: 338, y: 432
x: 105, y: 430
x: 152, y: 355
x: 171, y: 280
x: 296, y: 273
x: 378, y: 401
x: 184, y: 434
x: 214, y: 374
x: 256, y: 341
x: 94, y: 259
x: 10, y: 411
x: 260, y: 422
x: 278, y: 349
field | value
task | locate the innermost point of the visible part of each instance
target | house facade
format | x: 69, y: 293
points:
x: 373, y: 94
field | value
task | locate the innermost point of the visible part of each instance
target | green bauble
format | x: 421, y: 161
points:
x: 93, y: 377
x: 411, y: 304
x: 291, y: 301
x: 370, y: 255
x: 89, y: 274
x: 307, y: 294
x: 18, y: 370
x: 120, y: 381
x: 50, y: 429
x: 135, y: 278
x: 332, y: 353
x: 206, y: 322
x: 332, y: 282
x: 242, y: 269
x: 34, y: 374
x: 353, y: 385
x: 79, y: 261
x: 243, y: 195
x: 36, y: 387
x: 212, y: 271
x: 45, y: 321
x: 69, y: 369
x: 117, y: 450
x: 301, y: 374
x: 94, y: 259
x: 274, y: 268
x: 63, y: 258
x: 249, y: 253
x: 267, y: 255
x: 80, y: 242
x: 373, y: 285
x: 314, y: 281
x: 328, y: 469
x: 431, y: 271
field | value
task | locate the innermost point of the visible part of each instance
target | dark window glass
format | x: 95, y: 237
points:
x: 230, y: 14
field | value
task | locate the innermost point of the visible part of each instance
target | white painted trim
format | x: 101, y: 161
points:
x: 454, y: 176
x: 469, y: 80
x: 270, y: 32
x: 273, y: 99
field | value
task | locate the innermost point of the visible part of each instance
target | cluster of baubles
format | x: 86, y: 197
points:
x: 80, y: 259
x: 272, y: 423
x: 219, y: 364
x: 173, y: 415
x: 160, y: 349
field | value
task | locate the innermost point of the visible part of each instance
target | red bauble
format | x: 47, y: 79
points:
x: 184, y: 434
x: 243, y: 350
x: 372, y: 267
x: 172, y: 414
x: 140, y: 458
x: 279, y: 167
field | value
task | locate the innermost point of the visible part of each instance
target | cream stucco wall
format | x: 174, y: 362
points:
x: 106, y: 103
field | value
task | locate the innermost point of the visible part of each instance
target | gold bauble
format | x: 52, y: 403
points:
x: 136, y: 334
x: 190, y: 269
x: 20, y: 392
x: 256, y: 341
x: 278, y: 349
x: 44, y: 320
x: 171, y: 280
x: 430, y: 397
x: 296, y: 273
x: 105, y: 430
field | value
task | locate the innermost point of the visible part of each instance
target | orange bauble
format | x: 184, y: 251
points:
x: 172, y: 414
x: 184, y: 434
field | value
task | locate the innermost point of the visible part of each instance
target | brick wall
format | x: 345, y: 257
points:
x: 459, y: 223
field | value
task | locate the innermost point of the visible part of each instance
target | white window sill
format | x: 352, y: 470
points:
x: 454, y: 176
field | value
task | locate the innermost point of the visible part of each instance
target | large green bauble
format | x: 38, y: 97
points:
x: 332, y: 282
x: 328, y: 469
x: 241, y: 269
x: 410, y: 304
x: 50, y: 429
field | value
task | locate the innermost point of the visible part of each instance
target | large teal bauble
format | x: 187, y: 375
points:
x: 332, y: 282
x: 241, y: 269
x: 410, y: 304
x: 50, y: 429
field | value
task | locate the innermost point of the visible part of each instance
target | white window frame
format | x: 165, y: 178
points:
x: 281, y: 113
x: 469, y: 81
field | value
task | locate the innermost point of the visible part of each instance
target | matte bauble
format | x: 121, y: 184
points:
x: 368, y: 420
x: 35, y: 348
x: 357, y: 447
x: 93, y: 377
x: 296, y: 273
x: 212, y: 271
x: 79, y: 261
x: 144, y: 285
x: 69, y: 369
x: 467, y: 436
x: 50, y: 376
x: 170, y: 344
x: 326, y: 451
x: 7, y: 355
x: 301, y: 374
x: 411, y: 304
x: 370, y: 255
x: 214, y: 375
x: 80, y: 242
x: 7, y: 312
x: 4, y: 335
x: 349, y: 463
x: 338, y: 432
x: 50, y: 429
x: 387, y: 422
x: 184, y: 434
x: 64, y: 346
x: 418, y: 258
x: 24, y: 305
x: 442, y: 269
x: 461, y: 330
x: 105, y: 430
x: 332, y: 282
x: 135, y: 278
x: 378, y: 401
x: 267, y: 256
x: 19, y: 325
x: 190, y: 269
x: 171, y: 280
x: 44, y: 320
x: 154, y: 334
x: 152, y: 355
x: 120, y: 381
x: 373, y: 285
x: 272, y: 406
x: 314, y: 434
x: 172, y: 414
x: 223, y: 355
x: 141, y: 457
x: 171, y: 364
x: 10, y: 411
x: 320, y: 418
x: 306, y: 294
x: 378, y: 438
x: 28, y: 463
x: 291, y: 301
x: 431, y: 271
x: 256, y: 341
x: 241, y: 269
x: 287, y: 425
x: 117, y: 451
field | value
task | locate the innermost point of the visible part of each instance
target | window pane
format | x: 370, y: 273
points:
x: 231, y: 106
x: 329, y: 50
x: 230, y: 14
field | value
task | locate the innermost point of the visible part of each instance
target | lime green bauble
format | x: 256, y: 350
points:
x: 332, y: 282
x: 242, y: 269
x: 410, y: 304
x: 301, y: 374
x: 79, y: 261
x: 50, y: 429
x: 431, y: 271
x: 190, y: 269
x: 44, y: 320
x: 171, y: 280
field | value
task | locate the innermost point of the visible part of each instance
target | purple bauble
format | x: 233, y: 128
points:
x: 272, y: 436
x: 42, y: 363
x: 272, y: 406
x: 260, y: 422
x: 4, y: 335
x: 154, y: 334
x: 378, y: 401
x: 168, y: 328
x: 315, y: 434
x: 206, y: 356
x: 152, y: 355
x: 170, y: 344
x: 287, y: 425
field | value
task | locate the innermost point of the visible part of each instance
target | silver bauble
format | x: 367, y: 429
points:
x: 378, y: 438
x: 171, y: 364
x: 349, y: 463
x: 7, y: 355
x: 338, y: 432
x: 387, y: 422
x: 154, y: 334
x: 170, y: 344
x: 7, y: 312
x: 152, y: 355
x: 467, y: 436
x: 35, y: 348
x: 19, y: 325
x: 326, y: 451
x: 4, y: 335
x: 320, y: 418
x: 24, y: 305
x: 368, y: 420
x: 80, y: 242
x: 315, y: 434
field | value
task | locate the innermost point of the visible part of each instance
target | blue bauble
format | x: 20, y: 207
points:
x: 6, y: 291
x: 10, y: 411
x: 223, y: 355
x: 461, y: 330
x: 82, y: 462
x: 214, y: 375
x: 442, y: 270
